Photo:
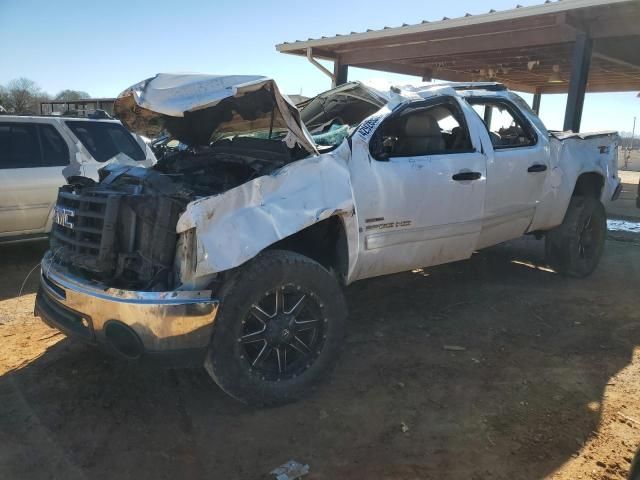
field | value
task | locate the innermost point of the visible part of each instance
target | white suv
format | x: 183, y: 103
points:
x: 37, y: 154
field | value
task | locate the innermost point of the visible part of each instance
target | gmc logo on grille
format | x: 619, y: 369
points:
x: 63, y: 216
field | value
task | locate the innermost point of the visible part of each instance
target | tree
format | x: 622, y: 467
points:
x: 23, y: 96
x: 4, y: 99
x: 72, y: 95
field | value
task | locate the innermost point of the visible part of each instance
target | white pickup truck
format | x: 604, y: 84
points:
x: 235, y: 251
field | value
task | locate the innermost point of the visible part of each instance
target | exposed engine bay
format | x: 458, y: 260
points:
x: 227, y: 163
x: 122, y: 230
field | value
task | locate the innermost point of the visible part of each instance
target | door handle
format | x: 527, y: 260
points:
x: 538, y: 167
x: 462, y: 176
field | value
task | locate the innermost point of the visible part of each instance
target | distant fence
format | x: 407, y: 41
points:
x: 77, y: 107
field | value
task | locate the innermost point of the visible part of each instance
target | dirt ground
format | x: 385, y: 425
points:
x: 546, y: 385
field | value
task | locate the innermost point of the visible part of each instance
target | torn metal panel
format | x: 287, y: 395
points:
x: 83, y: 163
x: 194, y: 107
x: 235, y: 226
x: 80, y: 166
x: 570, y: 156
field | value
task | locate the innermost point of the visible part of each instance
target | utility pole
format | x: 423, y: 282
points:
x: 630, y: 146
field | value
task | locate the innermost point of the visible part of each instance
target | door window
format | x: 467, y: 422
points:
x: 507, y: 128
x: 422, y: 130
x: 54, y: 149
x: 30, y: 145
x: 20, y: 146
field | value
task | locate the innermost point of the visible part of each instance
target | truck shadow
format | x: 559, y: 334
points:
x: 489, y: 368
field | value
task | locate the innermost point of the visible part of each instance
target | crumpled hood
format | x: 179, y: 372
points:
x: 192, y: 107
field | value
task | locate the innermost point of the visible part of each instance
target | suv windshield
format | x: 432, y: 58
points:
x: 105, y: 140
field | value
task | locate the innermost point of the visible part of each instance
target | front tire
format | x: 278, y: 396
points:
x: 280, y: 329
x: 574, y: 248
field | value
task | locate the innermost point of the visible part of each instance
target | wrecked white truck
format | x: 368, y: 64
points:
x: 234, y: 251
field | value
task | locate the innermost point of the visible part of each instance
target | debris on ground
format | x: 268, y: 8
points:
x: 404, y: 427
x: 290, y: 470
x: 51, y: 335
x: 629, y: 419
x: 454, y: 348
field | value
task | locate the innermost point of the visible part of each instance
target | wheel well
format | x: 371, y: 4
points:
x: 589, y: 185
x: 325, y: 242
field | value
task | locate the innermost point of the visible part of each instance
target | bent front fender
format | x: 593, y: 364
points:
x: 235, y: 226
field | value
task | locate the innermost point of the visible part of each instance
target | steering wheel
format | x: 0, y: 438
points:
x: 495, y: 138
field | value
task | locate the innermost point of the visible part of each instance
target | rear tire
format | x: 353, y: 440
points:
x: 574, y: 248
x: 280, y: 329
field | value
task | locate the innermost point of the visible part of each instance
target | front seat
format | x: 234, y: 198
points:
x: 422, y: 136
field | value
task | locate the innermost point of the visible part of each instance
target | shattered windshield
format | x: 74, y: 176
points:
x: 334, y: 135
x: 332, y: 116
x: 331, y: 136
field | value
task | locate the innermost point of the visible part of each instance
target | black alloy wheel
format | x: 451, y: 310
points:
x: 283, y: 333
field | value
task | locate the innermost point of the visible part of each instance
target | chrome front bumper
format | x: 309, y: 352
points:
x: 162, y: 321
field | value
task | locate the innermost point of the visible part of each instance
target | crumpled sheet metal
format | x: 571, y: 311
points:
x: 79, y: 164
x: 173, y: 95
x: 570, y: 156
x: 235, y: 226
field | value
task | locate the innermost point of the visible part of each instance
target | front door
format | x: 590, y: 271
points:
x: 419, y: 186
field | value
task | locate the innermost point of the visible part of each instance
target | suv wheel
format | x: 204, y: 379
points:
x: 279, y: 329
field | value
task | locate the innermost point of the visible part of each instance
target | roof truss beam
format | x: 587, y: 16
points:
x: 496, y: 41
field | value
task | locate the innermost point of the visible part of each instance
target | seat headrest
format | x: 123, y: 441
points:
x: 422, y: 125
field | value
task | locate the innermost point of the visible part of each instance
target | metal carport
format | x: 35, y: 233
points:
x: 569, y: 46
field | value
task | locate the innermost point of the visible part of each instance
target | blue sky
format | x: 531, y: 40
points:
x: 103, y: 47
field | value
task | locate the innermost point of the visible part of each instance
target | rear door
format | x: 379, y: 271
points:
x: 517, y: 166
x: 32, y: 157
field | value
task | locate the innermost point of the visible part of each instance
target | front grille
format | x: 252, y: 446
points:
x: 87, y: 235
x: 117, y: 234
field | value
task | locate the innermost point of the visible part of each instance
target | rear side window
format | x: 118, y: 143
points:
x: 28, y: 145
x: 54, y: 149
x: 106, y: 140
x: 5, y: 145
x: 507, y: 128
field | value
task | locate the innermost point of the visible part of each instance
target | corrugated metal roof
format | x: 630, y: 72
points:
x: 518, y: 12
